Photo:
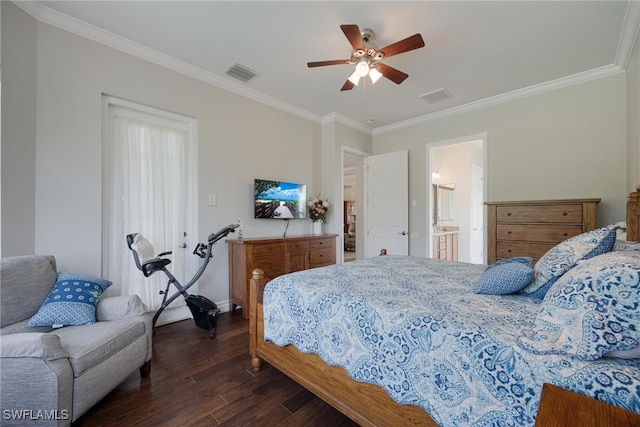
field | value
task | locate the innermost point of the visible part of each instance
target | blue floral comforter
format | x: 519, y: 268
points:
x: 415, y: 327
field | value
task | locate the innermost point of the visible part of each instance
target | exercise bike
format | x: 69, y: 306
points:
x: 204, y: 311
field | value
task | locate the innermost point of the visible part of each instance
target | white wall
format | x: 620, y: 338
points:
x: 19, y: 65
x: 58, y: 157
x: 568, y: 143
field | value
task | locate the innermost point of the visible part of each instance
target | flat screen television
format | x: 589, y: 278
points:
x: 279, y: 199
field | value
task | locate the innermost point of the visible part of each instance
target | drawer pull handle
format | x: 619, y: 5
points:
x: 565, y: 234
x: 509, y: 250
x: 509, y: 232
x: 508, y: 213
x: 564, y: 213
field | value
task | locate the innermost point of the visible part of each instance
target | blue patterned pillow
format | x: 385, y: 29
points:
x: 593, y: 309
x: 506, y: 276
x: 559, y: 259
x: 71, y: 302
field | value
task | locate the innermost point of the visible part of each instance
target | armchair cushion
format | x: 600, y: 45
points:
x: 88, y: 347
x: 71, y: 302
x: 30, y: 344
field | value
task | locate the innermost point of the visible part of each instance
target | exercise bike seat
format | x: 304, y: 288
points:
x: 144, y: 255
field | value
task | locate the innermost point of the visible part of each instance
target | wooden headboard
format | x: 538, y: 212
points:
x: 633, y: 216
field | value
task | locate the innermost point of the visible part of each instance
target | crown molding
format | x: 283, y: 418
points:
x: 628, y: 38
x: 65, y: 22
x: 340, y: 118
x: 629, y: 34
x: 549, y: 86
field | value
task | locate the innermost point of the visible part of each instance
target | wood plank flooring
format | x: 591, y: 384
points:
x: 196, y: 381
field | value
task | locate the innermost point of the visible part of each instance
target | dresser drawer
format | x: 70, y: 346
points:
x: 272, y: 265
x: 268, y: 248
x: 299, y: 245
x: 322, y: 257
x: 537, y: 233
x: 540, y: 213
x: 513, y: 249
x: 321, y: 243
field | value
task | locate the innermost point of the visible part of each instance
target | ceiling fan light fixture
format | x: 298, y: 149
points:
x: 374, y: 75
x: 362, y: 67
x: 354, y: 77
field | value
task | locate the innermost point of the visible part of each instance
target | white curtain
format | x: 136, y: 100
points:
x: 147, y: 196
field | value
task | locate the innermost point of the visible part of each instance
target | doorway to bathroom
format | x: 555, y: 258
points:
x: 456, y: 197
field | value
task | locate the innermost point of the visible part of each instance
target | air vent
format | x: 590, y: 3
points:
x: 242, y: 73
x: 436, y: 96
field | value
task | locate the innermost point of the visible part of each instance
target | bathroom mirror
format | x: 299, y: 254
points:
x: 444, y: 206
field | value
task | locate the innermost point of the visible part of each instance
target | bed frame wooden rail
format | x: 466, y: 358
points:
x: 366, y: 404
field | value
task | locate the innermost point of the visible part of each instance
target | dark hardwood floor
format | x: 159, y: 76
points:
x: 196, y: 381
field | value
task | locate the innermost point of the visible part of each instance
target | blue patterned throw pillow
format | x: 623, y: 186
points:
x: 71, y: 302
x: 591, y: 311
x: 506, y: 276
x: 559, y: 259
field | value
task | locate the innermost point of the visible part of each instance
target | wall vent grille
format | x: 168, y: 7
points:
x: 436, y: 96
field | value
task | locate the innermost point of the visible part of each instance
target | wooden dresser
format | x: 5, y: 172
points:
x: 275, y: 256
x: 531, y: 228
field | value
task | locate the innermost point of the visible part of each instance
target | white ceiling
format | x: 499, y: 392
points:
x: 480, y: 51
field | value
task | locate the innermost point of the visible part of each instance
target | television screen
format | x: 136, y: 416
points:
x: 279, y: 200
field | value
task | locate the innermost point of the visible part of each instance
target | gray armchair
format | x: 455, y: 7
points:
x: 50, y: 377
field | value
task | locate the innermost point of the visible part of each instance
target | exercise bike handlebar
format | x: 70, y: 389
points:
x: 222, y: 233
x: 204, y: 251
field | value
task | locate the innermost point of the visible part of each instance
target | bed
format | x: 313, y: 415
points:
x: 416, y: 345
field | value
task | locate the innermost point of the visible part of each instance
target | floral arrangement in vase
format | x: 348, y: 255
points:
x: 318, y: 209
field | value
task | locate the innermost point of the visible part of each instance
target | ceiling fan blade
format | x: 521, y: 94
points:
x: 353, y: 35
x: 410, y: 43
x: 323, y: 63
x: 392, y: 74
x: 347, y: 85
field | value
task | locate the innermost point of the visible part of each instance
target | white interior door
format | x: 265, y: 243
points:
x: 387, y: 212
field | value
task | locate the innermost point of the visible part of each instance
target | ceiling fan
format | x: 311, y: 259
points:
x: 367, y: 56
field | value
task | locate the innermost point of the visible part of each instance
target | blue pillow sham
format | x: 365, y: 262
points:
x: 562, y: 257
